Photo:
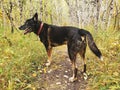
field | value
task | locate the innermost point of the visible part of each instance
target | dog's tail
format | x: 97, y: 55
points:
x: 93, y: 47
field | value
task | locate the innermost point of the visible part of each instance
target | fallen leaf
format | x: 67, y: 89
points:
x: 44, y: 70
x: 58, y: 83
x: 116, y: 74
x: 34, y: 74
x: 65, y: 76
x: 50, y: 71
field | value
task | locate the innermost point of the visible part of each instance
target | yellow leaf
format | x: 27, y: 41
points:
x: 33, y: 88
x: 44, y: 70
x: 116, y: 74
x: 34, y: 74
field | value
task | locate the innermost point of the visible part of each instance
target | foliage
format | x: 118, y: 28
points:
x: 102, y: 14
x: 19, y: 60
x: 105, y: 75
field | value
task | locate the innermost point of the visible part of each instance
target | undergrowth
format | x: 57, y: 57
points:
x: 105, y: 75
x: 20, y: 59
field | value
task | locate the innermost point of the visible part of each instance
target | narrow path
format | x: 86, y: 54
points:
x: 56, y: 77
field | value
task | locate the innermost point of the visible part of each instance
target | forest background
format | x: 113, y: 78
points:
x: 19, y: 55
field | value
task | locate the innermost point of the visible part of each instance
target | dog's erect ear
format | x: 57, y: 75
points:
x: 35, y: 17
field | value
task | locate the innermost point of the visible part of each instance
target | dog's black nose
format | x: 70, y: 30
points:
x: 21, y: 28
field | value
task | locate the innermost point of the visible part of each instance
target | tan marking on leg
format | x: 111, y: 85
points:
x: 49, y: 49
x: 49, y: 57
x: 73, y: 78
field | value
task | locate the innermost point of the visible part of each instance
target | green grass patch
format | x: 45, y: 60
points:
x: 20, y: 58
x: 105, y: 75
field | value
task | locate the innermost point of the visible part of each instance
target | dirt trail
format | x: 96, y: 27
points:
x: 56, y: 77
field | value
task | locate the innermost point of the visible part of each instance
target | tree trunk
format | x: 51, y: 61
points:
x: 108, y: 13
x: 21, y: 9
x: 97, y: 14
x: 11, y: 19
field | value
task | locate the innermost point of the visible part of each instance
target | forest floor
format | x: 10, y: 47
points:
x: 56, y: 77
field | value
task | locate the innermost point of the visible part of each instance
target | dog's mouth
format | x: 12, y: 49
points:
x: 28, y: 30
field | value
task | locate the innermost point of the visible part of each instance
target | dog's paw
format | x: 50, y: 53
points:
x: 85, y: 76
x: 72, y: 79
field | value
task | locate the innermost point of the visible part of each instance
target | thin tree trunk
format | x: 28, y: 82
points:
x: 21, y: 9
x: 3, y: 14
x: 11, y: 19
x: 97, y: 14
x: 108, y: 12
x: 117, y: 16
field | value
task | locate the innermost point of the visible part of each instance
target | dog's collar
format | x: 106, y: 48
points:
x: 41, y: 25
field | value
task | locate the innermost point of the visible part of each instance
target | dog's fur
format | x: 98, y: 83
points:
x: 52, y: 36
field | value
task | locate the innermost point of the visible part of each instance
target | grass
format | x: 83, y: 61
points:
x: 105, y: 75
x: 20, y: 60
x: 22, y: 57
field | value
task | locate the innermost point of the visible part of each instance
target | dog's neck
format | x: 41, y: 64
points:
x: 40, y: 28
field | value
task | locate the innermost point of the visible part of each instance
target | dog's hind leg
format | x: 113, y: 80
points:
x: 72, y: 56
x: 84, y: 70
x: 82, y: 54
x: 75, y: 70
x: 49, y: 52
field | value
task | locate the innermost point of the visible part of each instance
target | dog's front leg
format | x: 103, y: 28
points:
x: 49, y: 51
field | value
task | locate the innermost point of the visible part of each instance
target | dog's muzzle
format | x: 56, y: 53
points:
x: 27, y: 30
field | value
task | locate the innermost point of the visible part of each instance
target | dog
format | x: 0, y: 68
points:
x: 52, y: 36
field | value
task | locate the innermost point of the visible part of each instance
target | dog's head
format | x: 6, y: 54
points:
x: 30, y: 24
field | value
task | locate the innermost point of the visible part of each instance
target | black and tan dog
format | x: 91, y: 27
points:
x: 52, y: 36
